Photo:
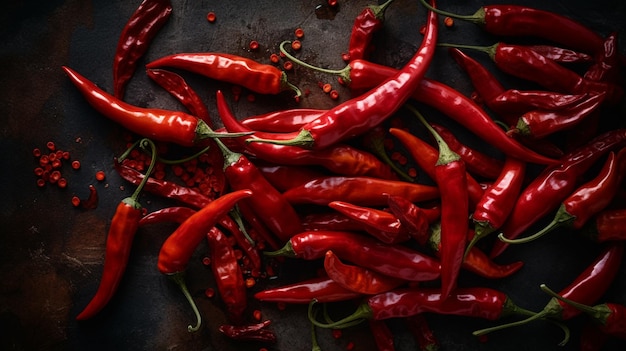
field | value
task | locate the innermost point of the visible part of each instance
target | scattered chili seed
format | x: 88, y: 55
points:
x: 257, y: 315
x: 75, y: 201
x: 56, y: 163
x: 38, y: 171
x: 206, y: 260
x: 299, y: 32
x: 448, y: 22
x: 412, y: 172
x: 327, y: 88
x: 274, y: 58
x: 423, y: 29
x: 251, y: 97
x: 210, y: 292
x: 62, y: 183
x: 54, y: 176
x: 288, y: 65
x: 36, y: 152
x: 345, y: 56
x: 350, y: 346
x: 41, y: 182
x: 43, y: 160
x: 250, y: 282
x: 334, y: 94
x: 100, y: 176
x: 211, y: 17
x: 254, y: 45
x: 50, y: 145
x: 296, y: 45
x: 75, y: 164
x: 337, y: 333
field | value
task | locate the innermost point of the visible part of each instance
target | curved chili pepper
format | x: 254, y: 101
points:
x: 227, y: 274
x: 283, y: 121
x: 363, y: 191
x: 358, y: 279
x: 415, y: 219
x: 498, y: 200
x: 357, y: 115
x: 554, y: 184
x: 480, y: 302
x: 451, y: 178
x: 383, y: 337
x: 181, y: 244
x: 141, y: 28
x: 611, y: 317
x: 361, y: 74
x: 608, y: 225
x: 523, y: 21
x: 258, y: 77
x: 425, y: 156
x: 91, y: 201
x: 586, y: 201
x: 178, y: 87
x: 476, y: 162
x: 608, y: 65
x: 422, y: 333
x: 380, y: 224
x: 392, y: 260
x: 322, y: 289
x: 368, y: 22
x: 285, y: 177
x: 122, y: 230
x: 338, y: 158
x: 176, y: 214
x: 255, y: 332
x: 587, y: 288
x: 163, y: 125
x: 540, y: 123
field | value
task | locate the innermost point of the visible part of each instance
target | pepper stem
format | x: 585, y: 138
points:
x: 179, y: 279
x: 132, y: 200
x: 362, y: 313
x: 342, y: 73
x: 599, y: 313
x: 489, y: 50
x: 304, y: 139
x: 481, y: 230
x: 237, y: 218
x: 203, y: 131
x: 289, y: 85
x: 561, y: 218
x: 286, y: 251
x: 477, y: 18
x: 446, y: 155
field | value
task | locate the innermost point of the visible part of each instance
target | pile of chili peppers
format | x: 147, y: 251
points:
x: 301, y: 184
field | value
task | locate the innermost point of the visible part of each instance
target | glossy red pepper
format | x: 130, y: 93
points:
x: 234, y: 69
x: 414, y: 219
x: 383, y: 336
x: 392, y: 260
x: 227, y: 274
x: 135, y: 39
x: 330, y: 221
x: 608, y: 65
x: 359, y: 114
x: 178, y: 87
x: 358, y: 279
x: 181, y: 244
x: 561, y: 55
x: 176, y: 214
x: 587, y: 200
x: 285, y: 177
x: 283, y: 121
x: 380, y: 224
x: 608, y: 225
x: 254, y: 332
x: 322, y: 289
x: 369, y: 21
x: 362, y: 191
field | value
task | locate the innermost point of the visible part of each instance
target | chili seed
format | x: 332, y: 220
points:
x: 274, y: 58
x: 54, y: 176
x: 50, y: 145
x: 100, y: 176
x: 211, y: 17
x: 66, y: 155
x: 350, y: 346
x: 251, y: 97
x: 36, y: 152
x: 254, y: 45
x: 299, y: 32
x: 448, y: 22
x: 412, y: 172
x: 250, y: 282
x: 423, y: 29
x: 56, y: 163
x: 38, y: 171
x: 41, y: 182
x: 210, y: 292
x: 334, y: 94
x: 43, y: 160
x: 327, y: 88
x: 75, y: 164
x: 75, y: 201
x: 332, y: 2
x: 281, y: 306
x: 296, y: 45
x: 288, y: 65
x: 62, y: 183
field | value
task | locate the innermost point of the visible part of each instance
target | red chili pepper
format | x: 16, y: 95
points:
x: 541, y: 123
x: 358, y: 279
x: 122, y: 230
x: 423, y: 334
x: 522, y: 21
x: 608, y: 225
x: 178, y: 87
x: 359, y: 114
x: 141, y: 28
x: 608, y: 64
x: 332, y: 221
x: 368, y: 22
x: 592, y: 338
x: 259, y: 227
x: 283, y: 121
x: 242, y: 71
x: 338, y: 158
x: 163, y: 125
x: 414, y: 219
x: 392, y: 260
x: 374, y: 141
x: 363, y: 191
x: 255, y: 332
x: 382, y: 225
x: 176, y: 214
x: 554, y: 184
x: 91, y: 201
x: 383, y: 336
x: 498, y: 200
x: 561, y: 55
x: 586, y: 201
x: 322, y: 289
x: 181, y: 244
x: 245, y: 243
x: 285, y: 177
x: 227, y: 274
x: 477, y: 163
x: 480, y: 302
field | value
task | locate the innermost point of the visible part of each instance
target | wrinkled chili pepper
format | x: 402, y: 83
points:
x: 587, y: 288
x: 122, y: 230
x: 608, y: 64
x: 176, y: 214
x: 182, y: 243
x: 358, y: 279
x: 366, y: 24
x: 523, y: 21
x: 415, y: 219
x: 392, y: 260
x: 554, y: 184
x: 587, y: 200
x: 608, y: 225
x: 359, y: 114
x: 227, y: 274
x: 162, y: 125
x: 363, y: 191
x: 322, y: 289
x: 479, y: 302
x: 284, y: 177
x: 561, y: 55
x: 140, y: 29
x: 255, y: 332
x: 178, y: 87
x: 234, y: 69
x: 331, y: 221
x: 451, y: 178
x: 383, y: 336
x: 338, y: 158
x: 382, y: 225
x: 422, y: 333
x: 610, y: 317
x: 91, y: 201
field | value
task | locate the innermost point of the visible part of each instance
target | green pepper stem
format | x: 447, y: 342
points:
x: 286, y: 251
x: 477, y: 18
x: 343, y: 73
x: 362, y: 313
x: 179, y: 279
x: 481, y: 230
x: 597, y: 312
x: 288, y: 85
x: 379, y: 10
x: 132, y: 200
x: 236, y: 214
x: 304, y: 139
x: 562, y: 218
x: 446, y: 155
x: 489, y: 50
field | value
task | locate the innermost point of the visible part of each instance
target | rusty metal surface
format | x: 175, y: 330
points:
x: 51, y: 254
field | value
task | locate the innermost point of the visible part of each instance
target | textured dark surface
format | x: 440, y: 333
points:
x: 51, y: 254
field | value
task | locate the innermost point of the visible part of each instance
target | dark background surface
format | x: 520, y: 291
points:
x: 51, y: 254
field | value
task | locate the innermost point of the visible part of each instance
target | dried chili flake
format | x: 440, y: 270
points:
x: 75, y: 201
x: 345, y: 56
x: 50, y: 145
x: 327, y: 88
x: 36, y: 152
x: 448, y: 22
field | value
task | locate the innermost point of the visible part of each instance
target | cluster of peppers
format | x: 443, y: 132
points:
x: 299, y: 185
